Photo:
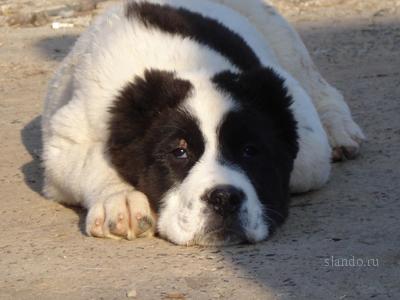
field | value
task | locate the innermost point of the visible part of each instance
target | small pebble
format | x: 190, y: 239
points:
x: 131, y: 294
x: 58, y: 25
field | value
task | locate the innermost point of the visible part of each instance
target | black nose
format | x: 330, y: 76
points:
x: 225, y: 200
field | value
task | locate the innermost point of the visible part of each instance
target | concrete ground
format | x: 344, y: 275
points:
x: 354, y: 220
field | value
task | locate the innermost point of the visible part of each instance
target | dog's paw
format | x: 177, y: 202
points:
x: 123, y: 215
x: 345, y: 136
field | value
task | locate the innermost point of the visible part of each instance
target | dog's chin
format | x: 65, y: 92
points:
x: 219, y: 237
x: 221, y: 232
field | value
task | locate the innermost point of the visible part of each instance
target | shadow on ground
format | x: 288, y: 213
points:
x: 31, y: 137
x: 56, y: 47
x: 33, y: 171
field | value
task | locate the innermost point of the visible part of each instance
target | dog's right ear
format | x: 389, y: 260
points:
x: 140, y: 101
x: 132, y: 114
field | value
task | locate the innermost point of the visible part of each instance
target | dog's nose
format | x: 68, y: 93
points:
x: 224, y: 200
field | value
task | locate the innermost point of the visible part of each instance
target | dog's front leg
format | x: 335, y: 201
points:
x: 80, y: 174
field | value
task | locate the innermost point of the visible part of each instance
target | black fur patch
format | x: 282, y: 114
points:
x: 261, y: 138
x: 204, y: 30
x: 146, y: 126
x: 262, y: 90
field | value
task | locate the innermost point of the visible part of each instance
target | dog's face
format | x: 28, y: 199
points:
x: 213, y: 155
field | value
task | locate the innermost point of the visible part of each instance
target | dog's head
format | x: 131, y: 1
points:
x: 213, y: 155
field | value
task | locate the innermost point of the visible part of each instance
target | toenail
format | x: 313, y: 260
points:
x: 112, y: 225
x: 145, y: 223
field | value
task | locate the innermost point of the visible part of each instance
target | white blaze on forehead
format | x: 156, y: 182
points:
x: 209, y: 107
x: 182, y: 216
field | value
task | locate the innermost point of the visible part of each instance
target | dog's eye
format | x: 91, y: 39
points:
x: 180, y: 153
x: 249, y: 151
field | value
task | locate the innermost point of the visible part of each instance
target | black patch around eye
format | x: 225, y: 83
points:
x: 145, y: 119
x: 161, y: 169
x: 263, y: 91
x: 202, y: 29
x: 247, y: 141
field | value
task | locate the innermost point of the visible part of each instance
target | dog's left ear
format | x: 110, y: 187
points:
x: 264, y: 90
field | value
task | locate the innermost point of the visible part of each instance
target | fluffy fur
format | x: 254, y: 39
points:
x: 152, y: 77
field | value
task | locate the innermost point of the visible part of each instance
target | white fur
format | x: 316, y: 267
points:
x: 114, y: 50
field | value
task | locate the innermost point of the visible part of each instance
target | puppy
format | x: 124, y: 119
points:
x: 192, y: 119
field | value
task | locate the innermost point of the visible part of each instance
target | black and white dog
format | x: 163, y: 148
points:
x: 194, y: 119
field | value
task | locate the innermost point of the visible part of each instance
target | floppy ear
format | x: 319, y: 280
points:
x: 134, y: 111
x: 264, y: 90
x: 141, y: 101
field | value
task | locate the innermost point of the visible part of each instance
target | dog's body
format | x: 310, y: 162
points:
x: 192, y: 113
